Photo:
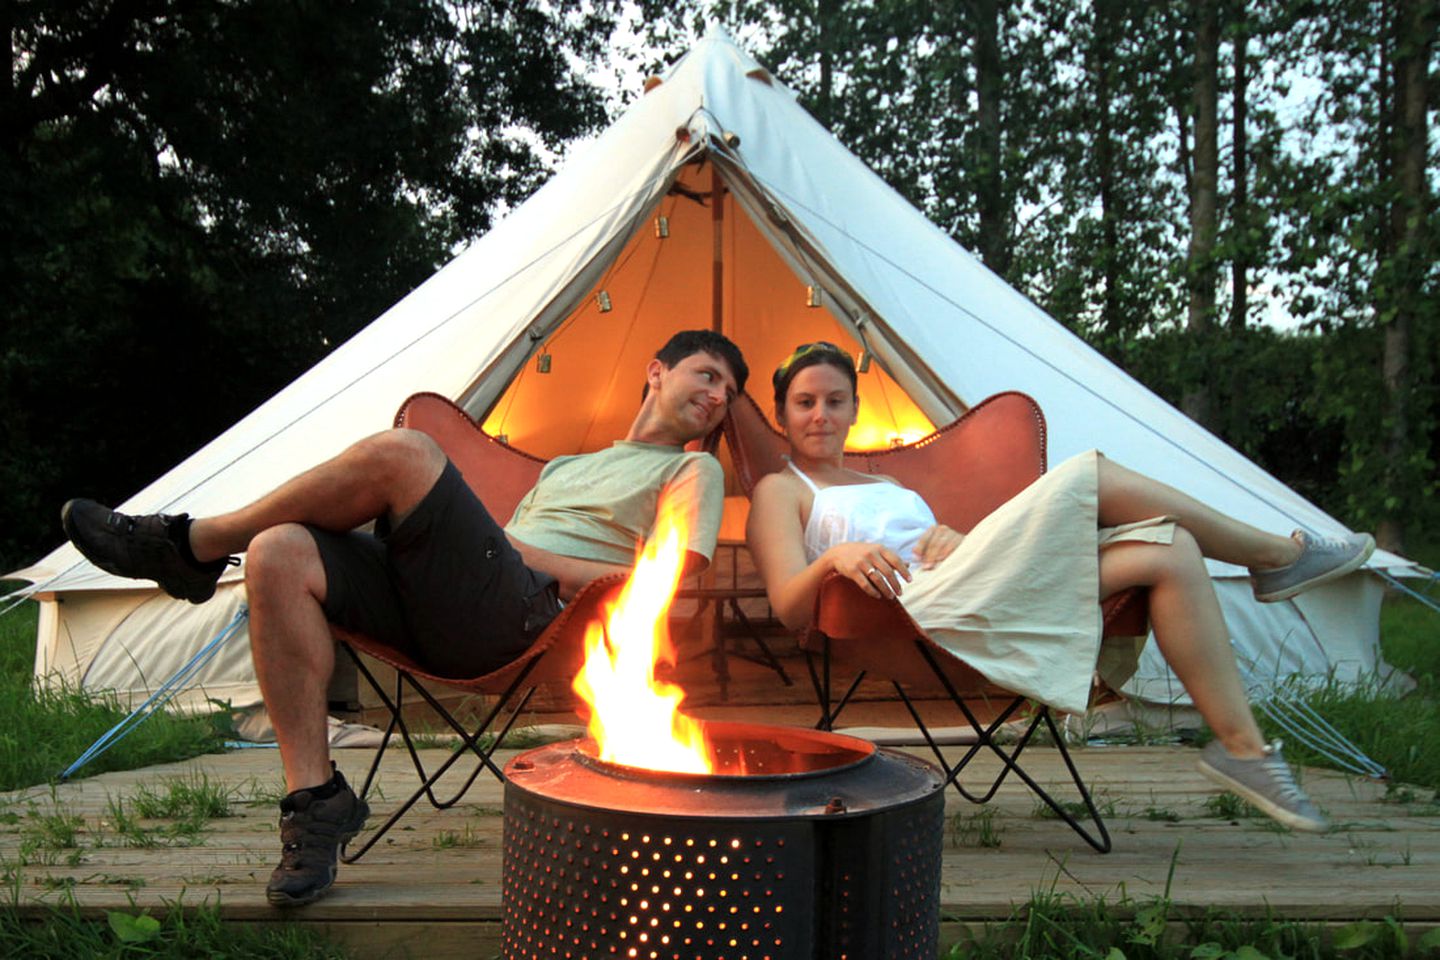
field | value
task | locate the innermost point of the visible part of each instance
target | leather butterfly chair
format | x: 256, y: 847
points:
x: 964, y: 471
x: 500, y: 475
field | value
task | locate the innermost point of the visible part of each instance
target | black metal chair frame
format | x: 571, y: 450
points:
x: 472, y: 743
x: 985, y: 739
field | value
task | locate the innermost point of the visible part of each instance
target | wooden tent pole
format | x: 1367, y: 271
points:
x: 717, y: 219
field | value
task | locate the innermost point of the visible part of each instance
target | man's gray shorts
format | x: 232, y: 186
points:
x: 445, y: 585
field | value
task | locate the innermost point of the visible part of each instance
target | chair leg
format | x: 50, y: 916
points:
x: 766, y: 657
x: 389, y: 727
x: 986, y: 738
x: 470, y: 743
x: 820, y: 683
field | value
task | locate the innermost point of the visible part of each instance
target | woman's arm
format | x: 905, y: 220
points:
x: 777, y: 542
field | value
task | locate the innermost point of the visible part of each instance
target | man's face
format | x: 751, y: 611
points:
x: 694, y: 394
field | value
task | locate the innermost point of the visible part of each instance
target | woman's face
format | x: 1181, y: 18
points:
x: 819, y: 411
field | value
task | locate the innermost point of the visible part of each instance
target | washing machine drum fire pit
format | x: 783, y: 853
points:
x: 800, y: 844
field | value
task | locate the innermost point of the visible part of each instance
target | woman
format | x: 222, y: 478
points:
x: 1017, y: 598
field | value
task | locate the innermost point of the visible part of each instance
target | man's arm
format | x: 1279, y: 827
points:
x: 573, y: 573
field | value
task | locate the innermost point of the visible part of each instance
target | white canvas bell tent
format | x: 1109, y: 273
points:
x: 542, y: 327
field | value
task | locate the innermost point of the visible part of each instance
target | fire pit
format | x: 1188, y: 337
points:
x: 798, y: 844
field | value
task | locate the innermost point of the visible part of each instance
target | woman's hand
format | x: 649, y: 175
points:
x: 936, y: 544
x: 878, y: 570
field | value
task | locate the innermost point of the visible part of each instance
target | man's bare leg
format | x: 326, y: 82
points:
x: 1127, y: 496
x: 384, y: 474
x: 294, y: 655
x: 292, y: 649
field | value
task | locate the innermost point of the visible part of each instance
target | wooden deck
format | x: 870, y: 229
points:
x: 433, y: 888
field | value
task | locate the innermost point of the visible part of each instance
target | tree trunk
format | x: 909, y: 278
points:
x: 1237, y: 409
x: 1414, y: 35
x: 1240, y: 217
x: 1200, y: 269
x: 824, y: 26
x: 1112, y: 319
x: 994, y: 249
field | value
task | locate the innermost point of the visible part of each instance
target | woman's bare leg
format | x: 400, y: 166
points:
x: 385, y: 474
x: 1190, y: 631
x: 1127, y: 496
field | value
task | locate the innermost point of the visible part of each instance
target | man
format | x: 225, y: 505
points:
x: 443, y: 579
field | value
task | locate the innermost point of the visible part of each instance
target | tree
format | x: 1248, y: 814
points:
x: 1101, y: 257
x: 1204, y: 200
x: 205, y: 197
x: 1362, y: 255
x: 1408, y: 244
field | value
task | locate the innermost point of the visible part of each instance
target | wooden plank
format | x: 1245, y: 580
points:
x: 443, y: 869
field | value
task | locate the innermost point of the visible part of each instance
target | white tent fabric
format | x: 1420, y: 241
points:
x: 946, y: 329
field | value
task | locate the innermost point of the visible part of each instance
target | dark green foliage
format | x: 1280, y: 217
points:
x: 1283, y: 425
x: 201, y: 199
x: 1061, y: 927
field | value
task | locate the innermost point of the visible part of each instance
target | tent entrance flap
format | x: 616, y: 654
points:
x: 807, y: 258
x: 481, y: 396
x: 580, y: 390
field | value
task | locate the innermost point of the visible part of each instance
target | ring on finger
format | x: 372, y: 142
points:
x: 872, y: 570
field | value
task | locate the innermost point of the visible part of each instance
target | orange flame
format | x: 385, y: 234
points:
x: 634, y: 718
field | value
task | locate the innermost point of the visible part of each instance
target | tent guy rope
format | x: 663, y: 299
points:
x: 160, y: 697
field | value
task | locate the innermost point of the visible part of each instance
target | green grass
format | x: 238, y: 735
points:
x: 1398, y: 733
x: 975, y: 830
x: 177, y: 811
x: 1402, y: 734
x: 43, y: 730
x: 191, y: 797
x: 464, y: 838
x: 1227, y: 806
x: 1064, y: 927
x: 1410, y: 636
x: 181, y: 934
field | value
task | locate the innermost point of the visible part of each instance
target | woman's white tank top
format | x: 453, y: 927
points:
x: 879, y: 512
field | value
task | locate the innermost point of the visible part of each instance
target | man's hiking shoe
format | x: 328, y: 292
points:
x: 142, y: 548
x: 1266, y: 783
x: 312, y: 831
x: 1322, y: 559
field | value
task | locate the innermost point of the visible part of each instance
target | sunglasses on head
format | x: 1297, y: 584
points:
x: 819, y: 346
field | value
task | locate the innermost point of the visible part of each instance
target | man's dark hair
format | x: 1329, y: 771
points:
x: 688, y: 342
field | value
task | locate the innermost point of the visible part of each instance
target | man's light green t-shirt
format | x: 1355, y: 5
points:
x: 602, y: 505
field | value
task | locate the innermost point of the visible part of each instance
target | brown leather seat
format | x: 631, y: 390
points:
x: 964, y: 471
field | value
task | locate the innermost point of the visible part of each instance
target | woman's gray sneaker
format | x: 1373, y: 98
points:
x: 142, y: 548
x: 1265, y: 782
x: 1322, y: 559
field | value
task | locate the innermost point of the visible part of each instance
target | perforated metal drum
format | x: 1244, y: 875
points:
x: 802, y: 844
